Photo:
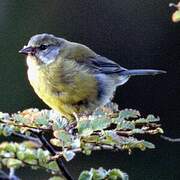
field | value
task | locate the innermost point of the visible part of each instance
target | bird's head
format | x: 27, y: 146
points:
x: 43, y: 48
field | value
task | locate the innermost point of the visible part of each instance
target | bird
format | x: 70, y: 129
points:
x: 71, y: 78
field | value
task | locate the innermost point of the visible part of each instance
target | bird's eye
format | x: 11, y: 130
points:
x: 43, y: 47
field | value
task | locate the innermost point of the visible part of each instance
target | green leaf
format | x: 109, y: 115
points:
x: 150, y: 119
x: 116, y: 174
x: 129, y: 113
x: 84, y: 127
x: 20, y: 155
x: 7, y: 130
x: 42, y: 156
x: 99, y: 173
x: 19, y: 118
x: 148, y: 144
x: 85, y: 175
x: 86, y: 148
x: 42, y: 121
x: 30, y: 157
x: 68, y: 155
x: 176, y: 16
x: 59, y: 124
x: 30, y: 154
x: 56, y: 142
x: 100, y: 123
x: 11, y: 147
x: 63, y: 136
x: 14, y: 163
x: 53, y: 166
x: 124, y: 125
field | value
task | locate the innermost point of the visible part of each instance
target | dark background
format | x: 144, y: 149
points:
x: 134, y: 33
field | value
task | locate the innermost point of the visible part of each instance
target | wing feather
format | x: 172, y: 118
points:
x: 100, y: 64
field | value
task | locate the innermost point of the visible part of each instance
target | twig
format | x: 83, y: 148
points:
x: 60, y: 163
x: 170, y: 139
x: 30, y: 138
x: 25, y: 126
x: 77, y: 150
x: 12, y: 175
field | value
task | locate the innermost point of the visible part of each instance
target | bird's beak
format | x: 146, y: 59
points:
x: 27, y: 50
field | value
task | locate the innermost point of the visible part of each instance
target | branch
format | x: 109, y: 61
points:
x: 60, y: 163
x: 36, y: 140
x: 10, y: 122
x: 12, y: 175
x: 79, y: 150
x: 170, y: 139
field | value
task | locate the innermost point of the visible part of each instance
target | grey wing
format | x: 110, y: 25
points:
x: 100, y: 64
x: 104, y: 70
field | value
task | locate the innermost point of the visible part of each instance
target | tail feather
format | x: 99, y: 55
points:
x: 139, y: 72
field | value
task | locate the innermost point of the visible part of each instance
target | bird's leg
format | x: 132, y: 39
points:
x: 72, y: 125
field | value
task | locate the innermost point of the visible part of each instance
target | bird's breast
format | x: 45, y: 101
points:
x: 33, y: 72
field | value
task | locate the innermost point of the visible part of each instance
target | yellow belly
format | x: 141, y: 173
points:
x: 64, y: 97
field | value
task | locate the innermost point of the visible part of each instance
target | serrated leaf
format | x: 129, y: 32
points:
x: 63, y: 136
x: 42, y: 121
x: 84, y: 127
x: 59, y: 124
x: 100, y: 124
x: 21, y: 119
x: 100, y: 174
x: 129, y: 113
x: 29, y: 154
x: 152, y: 118
x: 124, y: 125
